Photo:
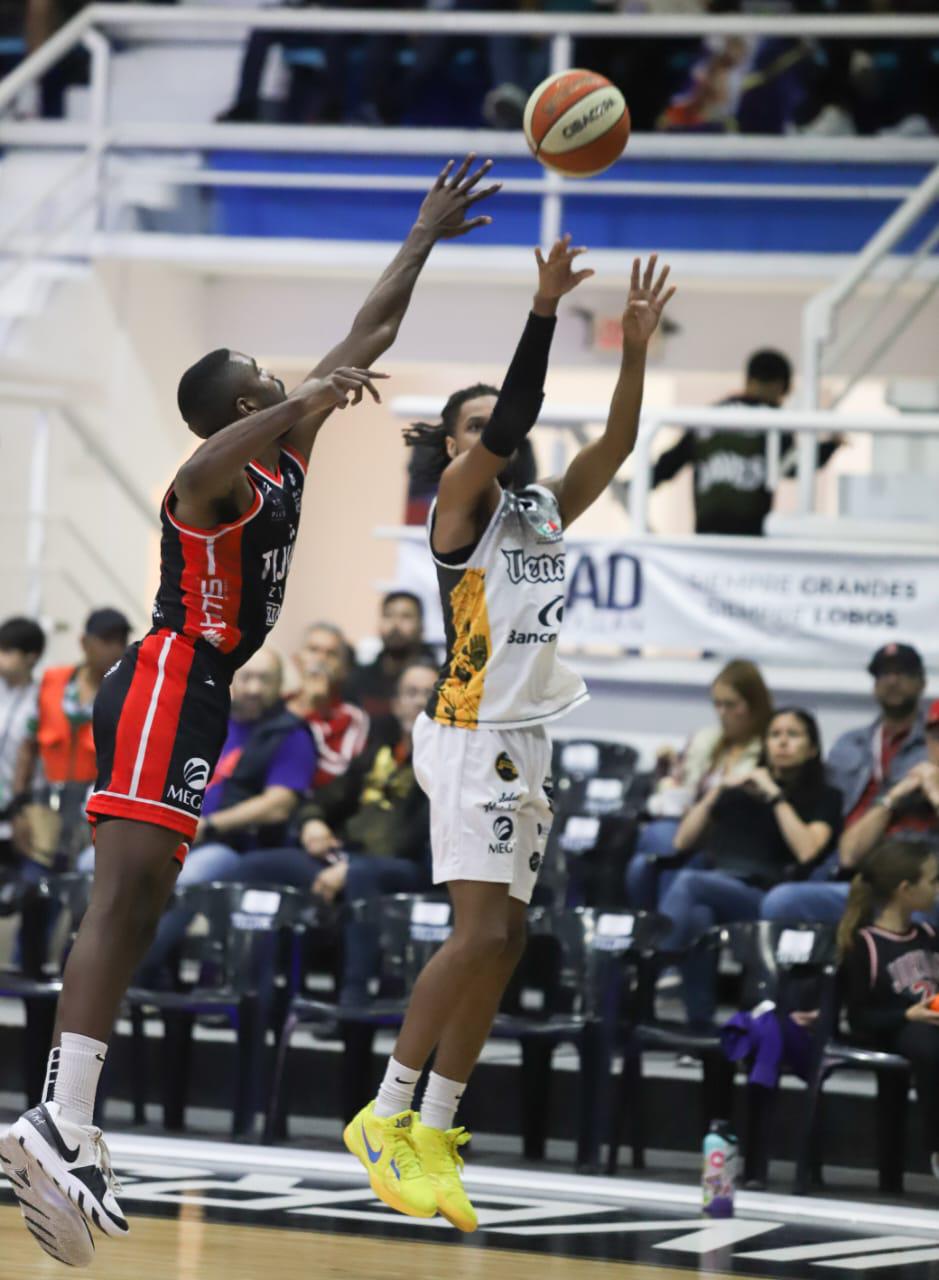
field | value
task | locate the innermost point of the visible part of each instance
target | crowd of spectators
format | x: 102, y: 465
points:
x: 315, y: 790
x: 739, y: 84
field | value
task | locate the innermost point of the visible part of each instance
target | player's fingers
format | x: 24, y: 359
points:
x: 660, y: 283
x: 443, y: 175
x: 482, y: 195
x: 539, y: 256
x: 634, y: 278
x: 473, y: 223
x: 474, y: 177
x: 583, y: 275
x: 649, y: 273
x: 463, y: 169
x: 663, y: 302
x: 364, y: 373
x: 573, y: 253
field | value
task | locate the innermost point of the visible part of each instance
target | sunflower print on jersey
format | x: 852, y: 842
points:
x: 459, y: 691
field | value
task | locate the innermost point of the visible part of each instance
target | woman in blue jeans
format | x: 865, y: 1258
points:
x: 725, y: 751
x: 752, y: 832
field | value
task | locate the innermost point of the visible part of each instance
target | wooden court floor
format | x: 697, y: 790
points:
x: 189, y: 1248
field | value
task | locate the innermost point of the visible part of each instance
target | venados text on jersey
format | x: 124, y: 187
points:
x: 540, y: 568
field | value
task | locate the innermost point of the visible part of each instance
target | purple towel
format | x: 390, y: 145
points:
x: 773, y: 1041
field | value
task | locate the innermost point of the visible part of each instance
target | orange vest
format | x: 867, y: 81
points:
x: 68, y: 754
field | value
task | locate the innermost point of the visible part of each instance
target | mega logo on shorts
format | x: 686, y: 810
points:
x: 504, y: 830
x: 506, y: 767
x: 195, y: 779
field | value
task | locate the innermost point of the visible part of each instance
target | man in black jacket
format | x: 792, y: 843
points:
x: 731, y: 495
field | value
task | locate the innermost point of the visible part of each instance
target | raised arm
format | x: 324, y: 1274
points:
x: 442, y: 216
x: 471, y: 478
x: 595, y: 466
x: 216, y: 468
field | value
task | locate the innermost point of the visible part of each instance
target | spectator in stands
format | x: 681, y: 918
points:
x: 730, y: 482
x: 265, y: 767
x: 867, y: 765
x: 22, y: 644
x: 717, y: 754
x: 401, y: 629
x: 366, y: 834
x: 776, y: 821
x: 890, y: 966
x: 56, y: 765
x: 340, y: 729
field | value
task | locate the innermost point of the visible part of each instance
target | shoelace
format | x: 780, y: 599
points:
x: 404, y: 1153
x: 103, y: 1161
x: 457, y: 1138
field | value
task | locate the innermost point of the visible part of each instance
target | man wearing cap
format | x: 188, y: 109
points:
x: 876, y: 766
x: 56, y: 764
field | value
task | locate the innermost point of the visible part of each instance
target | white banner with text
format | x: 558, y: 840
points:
x: 768, y: 601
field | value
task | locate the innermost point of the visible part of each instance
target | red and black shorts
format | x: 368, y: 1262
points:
x: 160, y: 722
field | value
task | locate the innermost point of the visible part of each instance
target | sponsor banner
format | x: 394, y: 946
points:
x: 768, y: 601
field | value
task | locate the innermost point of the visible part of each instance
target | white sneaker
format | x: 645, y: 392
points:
x: 831, y: 122
x: 57, y: 1226
x: 76, y: 1159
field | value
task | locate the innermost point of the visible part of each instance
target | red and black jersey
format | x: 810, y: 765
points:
x: 225, y: 586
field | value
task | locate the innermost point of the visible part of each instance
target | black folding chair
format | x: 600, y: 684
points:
x: 32, y: 981
x: 787, y: 964
x: 229, y: 971
x: 566, y: 991
x: 893, y: 1075
x: 409, y: 929
x: 594, y: 777
x: 588, y: 854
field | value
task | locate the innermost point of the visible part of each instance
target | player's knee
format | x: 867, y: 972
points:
x: 132, y: 905
x: 482, y: 942
x: 782, y: 903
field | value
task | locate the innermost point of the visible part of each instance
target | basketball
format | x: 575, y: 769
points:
x: 577, y: 123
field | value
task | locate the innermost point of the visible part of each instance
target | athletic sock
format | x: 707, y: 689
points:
x: 72, y: 1077
x: 440, y: 1101
x: 397, y: 1089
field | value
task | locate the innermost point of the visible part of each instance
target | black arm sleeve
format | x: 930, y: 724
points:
x: 522, y: 391
x: 669, y: 463
x: 826, y: 451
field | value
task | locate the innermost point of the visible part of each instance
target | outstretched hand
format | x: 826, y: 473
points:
x: 334, y: 391
x: 445, y: 206
x: 647, y: 300
x: 556, y: 274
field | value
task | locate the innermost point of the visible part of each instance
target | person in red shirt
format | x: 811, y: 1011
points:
x: 324, y: 663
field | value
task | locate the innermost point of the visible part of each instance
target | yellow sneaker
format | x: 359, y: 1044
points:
x: 386, y: 1149
x: 440, y: 1157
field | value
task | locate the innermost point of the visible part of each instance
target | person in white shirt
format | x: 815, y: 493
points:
x: 22, y: 644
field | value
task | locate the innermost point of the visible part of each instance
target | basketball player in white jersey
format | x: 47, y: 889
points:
x: 481, y: 751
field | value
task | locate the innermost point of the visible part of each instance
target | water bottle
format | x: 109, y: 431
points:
x: 719, y: 1177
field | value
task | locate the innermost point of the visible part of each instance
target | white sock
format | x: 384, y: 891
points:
x: 440, y: 1101
x: 397, y: 1089
x: 72, y: 1077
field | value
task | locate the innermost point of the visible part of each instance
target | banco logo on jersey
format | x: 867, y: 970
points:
x: 196, y: 773
x: 540, y: 568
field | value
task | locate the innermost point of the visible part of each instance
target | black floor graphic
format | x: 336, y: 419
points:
x: 648, y: 1233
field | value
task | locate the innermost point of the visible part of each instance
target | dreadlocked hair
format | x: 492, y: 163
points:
x: 429, y: 442
x: 880, y: 874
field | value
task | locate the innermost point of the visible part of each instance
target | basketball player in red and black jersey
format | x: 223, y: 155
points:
x: 230, y: 523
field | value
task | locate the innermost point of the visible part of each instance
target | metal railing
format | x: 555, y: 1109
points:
x: 634, y: 496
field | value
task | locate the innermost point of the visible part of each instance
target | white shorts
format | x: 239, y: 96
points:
x: 489, y: 809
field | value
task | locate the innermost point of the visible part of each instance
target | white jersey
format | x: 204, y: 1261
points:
x: 502, y: 610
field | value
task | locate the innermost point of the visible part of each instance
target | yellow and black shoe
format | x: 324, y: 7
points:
x: 386, y: 1148
x: 439, y: 1151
